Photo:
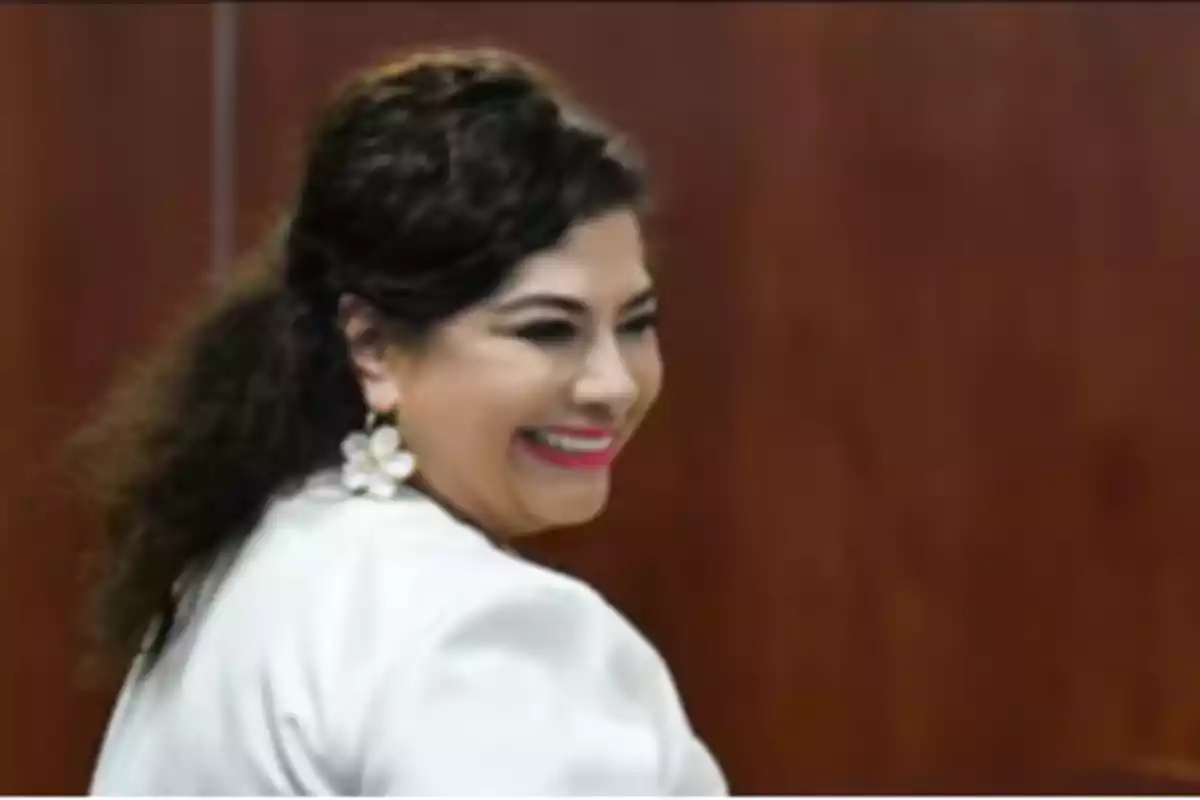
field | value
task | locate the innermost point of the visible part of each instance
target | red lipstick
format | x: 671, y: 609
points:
x: 572, y: 448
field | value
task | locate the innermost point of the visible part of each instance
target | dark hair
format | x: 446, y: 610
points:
x: 426, y: 182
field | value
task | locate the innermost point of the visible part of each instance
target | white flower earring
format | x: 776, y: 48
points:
x: 375, y: 462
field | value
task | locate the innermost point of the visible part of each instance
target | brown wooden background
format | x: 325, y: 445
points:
x: 919, y: 508
x: 104, y: 226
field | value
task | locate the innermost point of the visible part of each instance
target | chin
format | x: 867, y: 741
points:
x: 568, y: 511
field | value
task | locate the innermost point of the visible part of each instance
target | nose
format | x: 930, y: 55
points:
x: 605, y: 380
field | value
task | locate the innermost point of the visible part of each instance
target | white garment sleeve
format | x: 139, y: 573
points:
x: 533, y: 688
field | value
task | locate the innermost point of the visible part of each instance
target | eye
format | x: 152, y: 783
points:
x: 642, y: 323
x: 547, y: 332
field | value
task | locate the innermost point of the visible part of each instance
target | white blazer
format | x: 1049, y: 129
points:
x: 362, y: 647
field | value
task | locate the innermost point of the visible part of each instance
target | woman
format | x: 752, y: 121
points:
x: 309, y: 494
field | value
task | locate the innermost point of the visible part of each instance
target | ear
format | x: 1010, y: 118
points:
x: 366, y: 341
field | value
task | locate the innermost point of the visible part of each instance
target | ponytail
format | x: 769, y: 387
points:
x: 253, y: 394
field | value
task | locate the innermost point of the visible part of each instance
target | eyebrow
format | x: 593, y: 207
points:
x: 569, y: 304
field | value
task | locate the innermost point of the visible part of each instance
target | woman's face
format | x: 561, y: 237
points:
x: 516, y: 408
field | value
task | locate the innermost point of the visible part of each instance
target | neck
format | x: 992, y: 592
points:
x: 502, y: 542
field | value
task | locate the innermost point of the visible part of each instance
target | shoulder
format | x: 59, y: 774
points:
x: 332, y: 543
x: 404, y: 645
x: 406, y: 578
x: 422, y: 648
x: 365, y: 580
x: 529, y: 676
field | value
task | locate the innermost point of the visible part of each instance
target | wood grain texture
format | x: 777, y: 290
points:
x: 974, y: 271
x: 104, y: 177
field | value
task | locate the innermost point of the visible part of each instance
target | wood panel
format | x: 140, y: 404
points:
x: 972, y: 252
x: 104, y: 179
x: 917, y: 511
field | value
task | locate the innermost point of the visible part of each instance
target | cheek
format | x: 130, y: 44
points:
x: 470, y: 416
x: 646, y: 367
x: 461, y: 447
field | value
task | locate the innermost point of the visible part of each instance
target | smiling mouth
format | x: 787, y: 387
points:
x: 575, y: 449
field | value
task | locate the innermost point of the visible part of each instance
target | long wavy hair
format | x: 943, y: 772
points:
x: 427, y: 181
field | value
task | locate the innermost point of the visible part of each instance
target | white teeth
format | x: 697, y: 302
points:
x: 572, y: 444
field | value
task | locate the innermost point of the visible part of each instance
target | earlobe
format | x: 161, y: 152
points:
x: 380, y: 393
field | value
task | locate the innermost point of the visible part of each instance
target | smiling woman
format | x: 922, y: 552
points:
x: 536, y: 389
x: 308, y: 493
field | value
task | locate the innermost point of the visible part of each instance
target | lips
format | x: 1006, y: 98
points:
x: 571, y: 448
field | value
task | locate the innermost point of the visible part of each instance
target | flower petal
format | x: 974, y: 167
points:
x: 362, y: 461
x: 400, y: 466
x: 385, y: 440
x: 382, y: 486
x: 355, y: 444
x: 355, y: 479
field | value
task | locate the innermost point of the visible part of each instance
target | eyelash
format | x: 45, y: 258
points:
x: 551, y: 332
x: 558, y: 332
x: 644, y: 323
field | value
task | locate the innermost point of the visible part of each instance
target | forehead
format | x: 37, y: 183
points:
x: 601, y: 260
